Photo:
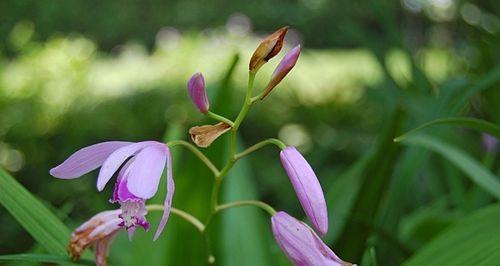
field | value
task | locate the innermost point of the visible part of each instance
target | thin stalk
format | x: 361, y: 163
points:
x: 196, y: 152
x: 219, y: 118
x: 184, y: 215
x: 259, y: 145
x: 264, y: 206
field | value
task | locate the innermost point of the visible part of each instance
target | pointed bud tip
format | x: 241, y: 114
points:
x: 267, y: 49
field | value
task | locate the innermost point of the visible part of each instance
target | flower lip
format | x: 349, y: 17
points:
x: 198, y: 93
x: 307, y: 187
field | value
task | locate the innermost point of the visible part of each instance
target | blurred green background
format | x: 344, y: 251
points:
x: 74, y: 73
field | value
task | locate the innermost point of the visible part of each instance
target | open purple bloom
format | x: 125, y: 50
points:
x: 301, y: 244
x: 196, y: 89
x: 141, y: 163
x: 306, y: 187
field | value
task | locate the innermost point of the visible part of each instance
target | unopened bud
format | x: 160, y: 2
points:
x: 196, y: 89
x: 286, y: 64
x: 203, y: 136
x: 267, y: 49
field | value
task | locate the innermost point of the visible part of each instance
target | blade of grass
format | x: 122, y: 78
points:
x: 468, y: 165
x: 468, y: 122
x: 44, y: 258
x: 474, y: 240
x: 35, y: 217
x: 376, y: 177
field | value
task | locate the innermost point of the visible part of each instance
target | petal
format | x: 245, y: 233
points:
x: 168, y: 199
x: 306, y: 187
x: 145, y: 171
x: 121, y: 192
x: 86, y: 159
x: 116, y: 159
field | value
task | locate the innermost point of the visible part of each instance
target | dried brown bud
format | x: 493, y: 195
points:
x: 204, y: 135
x: 267, y: 49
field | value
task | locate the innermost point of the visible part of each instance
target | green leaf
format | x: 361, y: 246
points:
x: 375, y: 179
x: 468, y: 165
x: 473, y: 240
x: 42, y: 224
x: 473, y: 123
x: 44, y: 258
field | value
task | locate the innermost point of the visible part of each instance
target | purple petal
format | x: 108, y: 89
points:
x: 287, y: 63
x: 299, y: 242
x: 168, y: 199
x: 86, y: 159
x: 146, y: 169
x: 121, y: 192
x: 306, y: 187
x: 116, y: 159
x: 196, y: 89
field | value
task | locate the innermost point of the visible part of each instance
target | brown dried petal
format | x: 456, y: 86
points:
x: 267, y: 49
x: 204, y: 135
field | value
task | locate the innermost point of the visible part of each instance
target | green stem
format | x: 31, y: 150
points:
x: 219, y: 118
x: 196, y: 152
x: 256, y: 203
x: 259, y: 145
x: 184, y: 215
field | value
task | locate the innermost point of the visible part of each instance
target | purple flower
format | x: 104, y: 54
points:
x: 306, y: 187
x: 301, y: 244
x: 98, y: 231
x: 196, y: 89
x: 490, y: 142
x: 141, y: 163
x: 286, y: 64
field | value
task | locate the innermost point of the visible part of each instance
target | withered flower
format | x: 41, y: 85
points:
x: 204, y: 135
x: 98, y: 231
x: 267, y: 49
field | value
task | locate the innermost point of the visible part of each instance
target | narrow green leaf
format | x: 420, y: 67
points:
x: 473, y: 169
x: 42, y: 224
x: 375, y: 179
x: 44, y: 258
x: 473, y: 123
x: 474, y: 240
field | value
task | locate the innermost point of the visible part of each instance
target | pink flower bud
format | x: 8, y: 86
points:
x: 307, y: 188
x: 196, y: 89
x: 286, y: 64
x: 300, y: 244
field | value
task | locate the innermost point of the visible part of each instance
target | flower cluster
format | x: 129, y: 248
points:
x: 139, y: 167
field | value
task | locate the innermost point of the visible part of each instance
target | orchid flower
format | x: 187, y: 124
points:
x: 141, y: 163
x: 301, y: 244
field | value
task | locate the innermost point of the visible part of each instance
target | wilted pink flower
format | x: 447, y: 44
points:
x: 301, y: 244
x: 306, y: 187
x: 141, y: 163
x: 196, y: 89
x: 98, y: 231
x: 286, y: 64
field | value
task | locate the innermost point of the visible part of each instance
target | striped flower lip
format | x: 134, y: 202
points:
x: 140, y: 166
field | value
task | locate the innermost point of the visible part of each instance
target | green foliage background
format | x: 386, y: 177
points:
x: 74, y: 73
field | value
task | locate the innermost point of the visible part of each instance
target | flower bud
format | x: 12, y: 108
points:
x: 307, y: 188
x: 98, y: 231
x: 490, y: 142
x: 267, y: 49
x: 300, y: 244
x: 196, y: 89
x: 204, y: 135
x: 286, y: 64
